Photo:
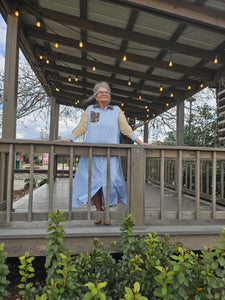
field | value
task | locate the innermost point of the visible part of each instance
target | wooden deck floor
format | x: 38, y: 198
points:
x: 152, y: 200
x: 30, y: 236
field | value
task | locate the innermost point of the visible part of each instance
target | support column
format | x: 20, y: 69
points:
x: 180, y: 124
x: 11, y: 79
x: 9, y: 109
x: 53, y: 135
x: 146, y: 133
x: 54, y: 120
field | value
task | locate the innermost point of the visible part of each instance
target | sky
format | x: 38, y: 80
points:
x: 32, y: 126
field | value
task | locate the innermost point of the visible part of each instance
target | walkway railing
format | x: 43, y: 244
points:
x: 198, y: 172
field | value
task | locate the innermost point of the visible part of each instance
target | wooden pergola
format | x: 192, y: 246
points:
x: 155, y: 53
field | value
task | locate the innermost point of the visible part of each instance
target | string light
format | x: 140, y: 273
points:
x: 201, y: 85
x: 17, y: 13
x: 171, y: 94
x: 153, y: 115
x: 78, y: 101
x: 167, y: 104
x: 161, y: 88
x: 76, y: 79
x: 122, y: 104
x: 40, y: 56
x: 81, y: 45
x: 189, y: 86
x: 170, y: 61
x: 125, y: 57
x: 47, y: 61
x: 69, y: 79
x: 215, y: 59
x: 38, y: 23
x: 148, y: 110
x: 56, y: 45
x: 94, y: 68
x: 146, y: 106
x: 147, y: 116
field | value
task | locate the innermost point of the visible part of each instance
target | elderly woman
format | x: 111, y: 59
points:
x: 102, y: 123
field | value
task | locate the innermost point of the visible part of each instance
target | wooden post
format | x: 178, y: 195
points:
x: 146, y: 133
x: 54, y: 120
x: 180, y: 124
x: 138, y: 158
x: 197, y: 184
x: 9, y: 107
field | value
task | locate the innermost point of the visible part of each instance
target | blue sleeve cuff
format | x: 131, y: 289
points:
x: 133, y: 137
x: 72, y: 137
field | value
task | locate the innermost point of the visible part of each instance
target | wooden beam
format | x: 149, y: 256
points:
x: 185, y: 10
x: 140, y: 59
x: 114, y: 31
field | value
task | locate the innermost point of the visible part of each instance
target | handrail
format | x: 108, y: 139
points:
x: 196, y: 171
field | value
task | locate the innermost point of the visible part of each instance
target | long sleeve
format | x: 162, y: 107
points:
x: 81, y: 127
x: 125, y: 127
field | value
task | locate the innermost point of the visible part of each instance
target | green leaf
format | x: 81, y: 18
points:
x: 90, y: 285
x: 164, y: 291
x: 136, y: 287
x: 181, y: 277
x: 101, y: 285
x: 129, y: 291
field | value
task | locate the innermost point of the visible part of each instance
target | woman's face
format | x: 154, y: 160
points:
x: 103, y: 96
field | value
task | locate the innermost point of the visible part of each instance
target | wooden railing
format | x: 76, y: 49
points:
x: 198, y: 172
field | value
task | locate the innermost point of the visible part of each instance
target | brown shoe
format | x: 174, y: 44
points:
x: 107, y: 222
x: 97, y: 222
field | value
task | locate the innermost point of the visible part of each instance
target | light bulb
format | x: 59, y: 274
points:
x: 94, y: 68
x: 76, y: 78
x: 189, y: 87
x: 171, y: 95
x: 124, y: 57
x: 17, y: 13
x: 57, y: 89
x: 69, y: 79
x: 38, y: 23
x: 47, y: 61
x: 40, y: 56
x: 81, y: 45
x: 122, y: 104
x: 140, y: 97
x: 129, y: 82
x: 215, y: 60
x: 161, y: 88
x: 167, y: 104
x: 170, y: 62
x: 56, y: 45
x: 201, y: 85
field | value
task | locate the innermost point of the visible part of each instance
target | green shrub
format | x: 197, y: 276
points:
x: 27, y: 183
x: 43, y: 181
x: 149, y: 268
x: 4, y: 271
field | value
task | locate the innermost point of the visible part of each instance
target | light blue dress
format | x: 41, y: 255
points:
x: 102, y: 128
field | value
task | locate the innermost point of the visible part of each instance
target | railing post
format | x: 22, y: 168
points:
x: 138, y: 158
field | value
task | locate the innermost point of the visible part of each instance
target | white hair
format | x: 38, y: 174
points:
x: 95, y: 91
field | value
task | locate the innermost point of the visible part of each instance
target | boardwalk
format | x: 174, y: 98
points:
x: 152, y: 200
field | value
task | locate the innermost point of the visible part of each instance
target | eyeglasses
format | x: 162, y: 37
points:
x: 102, y: 93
